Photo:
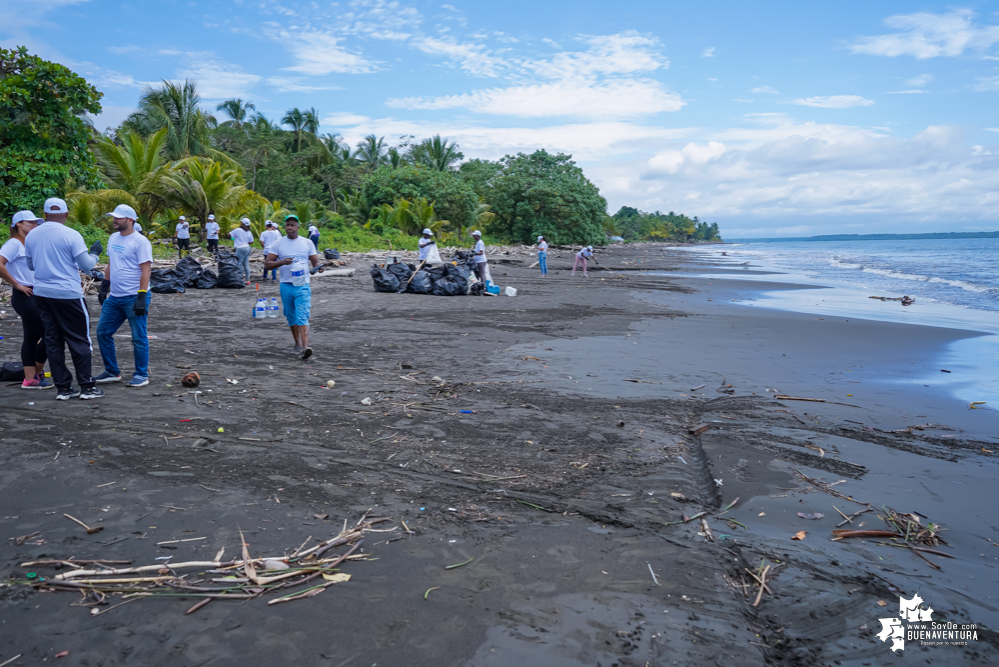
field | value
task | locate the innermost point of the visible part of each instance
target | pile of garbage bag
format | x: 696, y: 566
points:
x: 188, y: 273
x: 441, y: 280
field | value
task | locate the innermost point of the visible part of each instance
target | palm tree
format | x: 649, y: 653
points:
x: 304, y: 126
x: 176, y: 108
x: 437, y: 153
x: 395, y: 158
x: 133, y: 166
x: 200, y: 187
x: 371, y: 152
x: 353, y: 207
x: 237, y: 110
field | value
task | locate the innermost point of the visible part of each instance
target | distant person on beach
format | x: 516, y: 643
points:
x: 124, y: 295
x: 291, y: 255
x: 182, y: 236
x: 242, y: 240
x: 542, y: 247
x: 212, y: 234
x: 428, y: 248
x: 268, y: 239
x: 581, y: 256
x: 14, y: 269
x: 57, y: 254
x: 314, y: 235
x: 481, y: 263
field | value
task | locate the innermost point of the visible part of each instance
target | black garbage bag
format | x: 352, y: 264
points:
x: 230, y: 272
x: 401, y: 271
x: 331, y: 253
x: 189, y: 269
x: 477, y: 289
x: 436, y: 272
x: 206, y: 280
x: 420, y: 283
x: 166, y: 281
x: 449, y: 287
x: 385, y: 280
x: 459, y: 271
x: 96, y: 274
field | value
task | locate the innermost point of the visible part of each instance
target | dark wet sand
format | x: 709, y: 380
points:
x: 568, y: 584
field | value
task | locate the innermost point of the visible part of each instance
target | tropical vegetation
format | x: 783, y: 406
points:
x: 173, y: 157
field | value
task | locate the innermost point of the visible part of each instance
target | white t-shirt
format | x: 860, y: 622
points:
x: 241, y: 237
x: 137, y: 227
x: 543, y: 246
x: 298, y: 248
x: 212, y: 228
x: 313, y: 230
x: 13, y: 252
x: 584, y: 253
x: 126, y: 254
x: 425, y: 246
x: 183, y: 230
x: 480, y: 247
x: 269, y: 237
x: 53, y: 248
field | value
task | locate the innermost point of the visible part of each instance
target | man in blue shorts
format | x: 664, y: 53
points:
x: 293, y: 255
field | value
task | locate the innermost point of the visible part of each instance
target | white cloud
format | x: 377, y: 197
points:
x: 318, y: 53
x: 708, y: 52
x: 670, y: 162
x: 992, y: 129
x: 473, y: 58
x: 914, y: 91
x: 919, y: 81
x: 923, y: 35
x: 834, y: 101
x: 217, y: 80
x: 627, y: 52
x: 986, y: 83
x: 287, y: 85
x: 380, y: 19
x: 765, y: 89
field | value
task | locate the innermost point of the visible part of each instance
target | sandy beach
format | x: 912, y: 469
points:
x: 571, y: 431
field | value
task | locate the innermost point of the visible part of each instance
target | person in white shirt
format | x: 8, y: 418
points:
x: 542, y: 247
x: 428, y: 248
x: 182, y: 236
x: 14, y: 269
x: 481, y: 263
x: 242, y: 242
x: 291, y: 255
x: 268, y: 239
x: 124, y: 295
x: 581, y: 256
x: 314, y: 235
x: 212, y: 234
x: 57, y: 254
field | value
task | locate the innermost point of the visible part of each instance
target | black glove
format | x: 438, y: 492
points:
x: 102, y: 293
x: 96, y: 248
x: 316, y: 269
x: 140, y: 303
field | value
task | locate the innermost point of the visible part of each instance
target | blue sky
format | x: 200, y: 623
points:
x: 778, y: 118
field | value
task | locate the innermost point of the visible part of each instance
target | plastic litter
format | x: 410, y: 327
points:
x: 510, y: 291
x: 331, y: 253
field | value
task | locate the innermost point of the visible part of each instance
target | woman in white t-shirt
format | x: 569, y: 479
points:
x: 269, y: 238
x: 242, y: 240
x: 581, y: 256
x: 542, y: 247
x: 14, y: 270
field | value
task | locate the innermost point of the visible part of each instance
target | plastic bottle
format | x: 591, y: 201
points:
x: 274, y: 308
x: 260, y: 310
x: 299, y: 272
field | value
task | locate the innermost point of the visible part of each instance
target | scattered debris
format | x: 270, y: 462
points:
x: 191, y: 380
x: 811, y: 515
x: 699, y: 429
x: 90, y: 529
x: 800, y: 535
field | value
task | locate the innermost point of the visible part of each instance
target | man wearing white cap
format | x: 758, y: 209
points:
x: 292, y: 255
x: 542, y: 247
x: 314, y: 235
x: 269, y: 238
x: 481, y: 265
x: 428, y: 249
x: 14, y: 269
x: 242, y: 239
x: 212, y: 234
x: 182, y: 236
x: 126, y: 278
x: 57, y: 254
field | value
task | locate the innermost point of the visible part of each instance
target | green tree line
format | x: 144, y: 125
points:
x: 635, y: 225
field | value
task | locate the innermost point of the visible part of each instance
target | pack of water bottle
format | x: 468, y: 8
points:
x: 265, y: 308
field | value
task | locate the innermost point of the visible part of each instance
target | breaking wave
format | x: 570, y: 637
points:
x: 899, y: 275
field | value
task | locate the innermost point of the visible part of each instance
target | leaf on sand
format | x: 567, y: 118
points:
x: 800, y: 535
x: 676, y: 494
x: 811, y: 515
x: 338, y: 578
x: 882, y: 603
x: 451, y: 567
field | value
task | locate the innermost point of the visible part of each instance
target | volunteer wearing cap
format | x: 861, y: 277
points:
x: 581, y: 256
x: 212, y: 234
x: 481, y: 263
x: 242, y: 239
x: 269, y: 238
x: 542, y: 247
x: 427, y: 248
x: 126, y: 278
x: 182, y: 236
x: 295, y: 298
x: 314, y: 236
x: 14, y: 269
x: 57, y: 254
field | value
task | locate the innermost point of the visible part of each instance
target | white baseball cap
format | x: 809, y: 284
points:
x: 182, y: 219
x: 541, y: 238
x: 245, y: 221
x: 23, y: 216
x: 427, y: 231
x: 476, y: 233
x: 124, y: 211
x: 211, y: 217
x: 55, y: 205
x: 270, y: 223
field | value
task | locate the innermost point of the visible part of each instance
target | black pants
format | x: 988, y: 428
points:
x: 33, y: 345
x: 67, y: 322
x: 182, y: 245
x: 213, y: 245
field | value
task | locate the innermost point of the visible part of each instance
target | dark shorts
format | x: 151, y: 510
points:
x: 213, y: 244
x: 183, y: 244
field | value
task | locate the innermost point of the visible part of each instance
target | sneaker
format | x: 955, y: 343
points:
x: 37, y: 382
x: 107, y: 377
x: 306, y: 353
x: 137, y: 381
x: 66, y: 394
x: 297, y: 350
x: 93, y: 392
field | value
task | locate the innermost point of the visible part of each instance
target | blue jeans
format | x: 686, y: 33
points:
x: 315, y: 241
x: 543, y: 262
x: 297, y: 302
x: 114, y: 312
x: 243, y: 255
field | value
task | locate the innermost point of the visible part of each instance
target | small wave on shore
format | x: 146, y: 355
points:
x: 890, y: 273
